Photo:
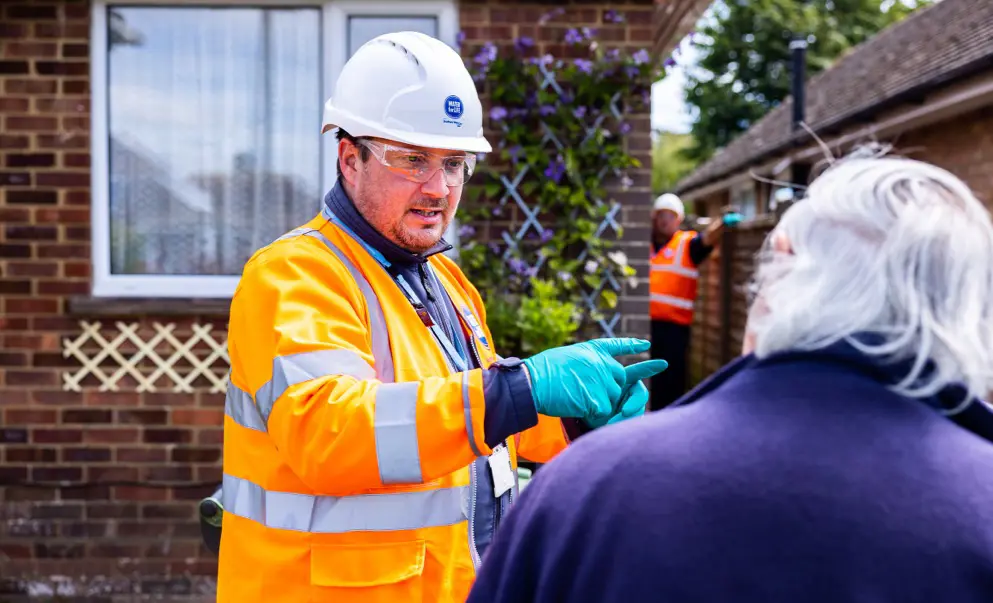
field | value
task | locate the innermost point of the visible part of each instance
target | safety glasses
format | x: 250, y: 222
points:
x: 418, y: 165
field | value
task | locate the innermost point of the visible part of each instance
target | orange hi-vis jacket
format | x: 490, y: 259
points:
x: 672, y: 284
x: 349, y: 440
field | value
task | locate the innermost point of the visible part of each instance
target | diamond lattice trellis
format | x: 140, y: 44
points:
x: 511, y: 192
x: 165, y: 356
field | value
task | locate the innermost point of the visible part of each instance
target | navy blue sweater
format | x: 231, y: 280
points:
x: 796, y: 479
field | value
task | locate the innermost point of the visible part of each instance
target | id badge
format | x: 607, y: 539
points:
x: 503, y: 473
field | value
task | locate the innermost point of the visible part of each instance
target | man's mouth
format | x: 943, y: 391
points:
x: 427, y: 213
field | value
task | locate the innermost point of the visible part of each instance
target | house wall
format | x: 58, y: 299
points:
x: 100, y: 487
x: 963, y: 145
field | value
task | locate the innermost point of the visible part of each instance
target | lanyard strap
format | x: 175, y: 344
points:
x: 456, y: 358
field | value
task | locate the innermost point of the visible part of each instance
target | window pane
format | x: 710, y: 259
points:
x: 214, y: 118
x: 363, y: 29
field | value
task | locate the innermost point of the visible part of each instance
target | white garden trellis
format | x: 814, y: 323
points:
x: 511, y: 192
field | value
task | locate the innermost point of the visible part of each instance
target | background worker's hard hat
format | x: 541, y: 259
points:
x: 670, y: 202
x: 411, y: 88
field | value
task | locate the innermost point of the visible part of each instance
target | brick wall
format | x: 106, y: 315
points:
x: 963, y: 145
x: 485, y: 21
x: 99, y: 487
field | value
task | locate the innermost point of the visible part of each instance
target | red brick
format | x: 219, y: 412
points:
x: 64, y: 250
x: 31, y: 86
x: 8, y: 141
x: 86, y: 455
x: 13, y: 359
x: 166, y: 473
x: 32, y: 197
x: 210, y: 437
x: 14, y: 67
x: 28, y: 341
x: 60, y: 105
x: 15, y: 179
x: 12, y: 104
x: 31, y: 12
x: 70, y: 50
x: 31, y: 233
x: 60, y: 179
x: 187, y: 416
x: 26, y: 416
x: 30, y: 378
x: 97, y: 398
x: 56, y: 474
x: 12, y: 287
x: 76, y: 269
x: 110, y: 435
x: 141, y: 493
x: 13, y: 30
x: 195, y: 455
x: 75, y: 86
x: 28, y: 50
x: 141, y: 455
x: 52, y: 359
x: 63, y: 30
x: 76, y: 160
x: 56, y: 436
x: 167, y: 436
x: 78, y: 197
x: 31, y: 306
x: 30, y: 454
x: 15, y: 251
x: 87, y: 415
x: 64, y: 140
x: 76, y: 122
x: 112, y: 473
x: 63, y: 288
x: 61, y: 216
x: 56, y: 398
x: 32, y: 269
x: 22, y: 123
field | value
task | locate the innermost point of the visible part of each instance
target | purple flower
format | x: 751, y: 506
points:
x: 584, y: 65
x: 579, y: 112
x: 573, y: 36
x: 519, y: 266
x: 641, y: 57
x: 494, y: 247
x: 497, y: 211
x: 669, y: 62
x: 515, y: 153
x: 518, y: 112
x: 486, y: 55
x: 546, y: 110
x: 546, y: 235
x: 555, y: 170
x: 550, y: 15
x: 459, y: 38
x: 631, y: 71
x: 466, y: 231
x: 612, y: 16
x: 613, y: 54
x: 523, y: 43
x: 625, y: 128
x: 498, y: 113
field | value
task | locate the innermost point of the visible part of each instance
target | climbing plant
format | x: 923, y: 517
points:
x: 551, y: 269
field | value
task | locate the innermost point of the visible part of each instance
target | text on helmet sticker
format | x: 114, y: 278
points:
x: 453, y: 109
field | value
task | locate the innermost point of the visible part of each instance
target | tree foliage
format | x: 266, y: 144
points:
x: 669, y: 160
x: 744, y: 69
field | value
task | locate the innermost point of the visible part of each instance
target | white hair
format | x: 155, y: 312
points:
x: 893, y: 256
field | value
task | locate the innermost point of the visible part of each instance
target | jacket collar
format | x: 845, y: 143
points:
x: 976, y: 417
x: 341, y: 205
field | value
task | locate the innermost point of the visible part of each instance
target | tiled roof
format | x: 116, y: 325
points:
x: 931, y: 47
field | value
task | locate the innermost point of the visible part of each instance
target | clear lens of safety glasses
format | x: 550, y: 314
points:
x: 419, y: 166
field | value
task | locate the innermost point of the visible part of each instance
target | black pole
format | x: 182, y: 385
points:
x: 798, y: 50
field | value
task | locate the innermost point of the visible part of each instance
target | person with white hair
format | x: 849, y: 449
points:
x: 846, y: 456
x: 676, y: 254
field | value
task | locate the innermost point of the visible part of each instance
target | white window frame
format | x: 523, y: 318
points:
x: 334, y: 49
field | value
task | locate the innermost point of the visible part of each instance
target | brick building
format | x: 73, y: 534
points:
x: 136, y: 144
x: 924, y: 85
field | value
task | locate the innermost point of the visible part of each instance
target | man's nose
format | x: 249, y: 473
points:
x: 435, y: 186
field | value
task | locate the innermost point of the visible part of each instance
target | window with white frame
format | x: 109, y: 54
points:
x: 206, y: 129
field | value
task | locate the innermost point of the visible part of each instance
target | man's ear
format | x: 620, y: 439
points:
x: 348, y: 160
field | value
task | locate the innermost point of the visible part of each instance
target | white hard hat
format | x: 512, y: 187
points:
x: 670, y: 202
x: 408, y: 87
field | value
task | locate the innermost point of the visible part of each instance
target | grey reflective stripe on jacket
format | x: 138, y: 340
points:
x: 336, y: 515
x: 395, y: 432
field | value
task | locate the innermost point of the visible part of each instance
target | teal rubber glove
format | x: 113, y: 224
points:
x: 634, y: 398
x: 732, y: 219
x: 582, y: 380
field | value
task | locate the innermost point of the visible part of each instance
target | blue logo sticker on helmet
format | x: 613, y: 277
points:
x: 453, y: 107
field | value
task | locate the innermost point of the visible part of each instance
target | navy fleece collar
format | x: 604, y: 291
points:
x: 338, y: 202
x: 977, y: 416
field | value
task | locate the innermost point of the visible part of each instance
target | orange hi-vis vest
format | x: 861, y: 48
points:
x: 672, y: 284
x: 348, y: 437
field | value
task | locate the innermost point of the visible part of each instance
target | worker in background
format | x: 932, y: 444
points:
x: 676, y: 254
x: 372, y: 432
x: 844, y: 458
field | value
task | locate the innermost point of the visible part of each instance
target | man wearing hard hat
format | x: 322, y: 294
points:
x: 372, y: 432
x: 673, y: 287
